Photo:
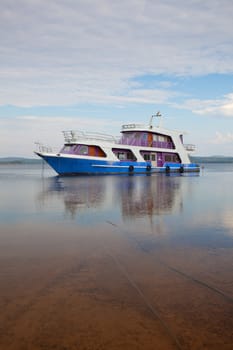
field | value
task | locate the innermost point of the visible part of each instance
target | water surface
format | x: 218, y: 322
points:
x: 110, y: 262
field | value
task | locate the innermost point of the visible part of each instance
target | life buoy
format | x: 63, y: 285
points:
x: 131, y: 168
x: 148, y: 168
x: 167, y: 169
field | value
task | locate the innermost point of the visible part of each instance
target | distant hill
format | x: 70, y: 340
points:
x: 211, y: 159
x: 19, y: 160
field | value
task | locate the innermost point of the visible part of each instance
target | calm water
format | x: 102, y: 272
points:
x: 116, y: 262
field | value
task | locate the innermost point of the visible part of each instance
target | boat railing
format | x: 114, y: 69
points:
x: 72, y: 136
x: 40, y: 147
x: 132, y: 126
x: 190, y: 147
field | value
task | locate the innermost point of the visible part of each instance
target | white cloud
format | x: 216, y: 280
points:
x: 221, y: 138
x: 221, y: 107
x: 65, y: 52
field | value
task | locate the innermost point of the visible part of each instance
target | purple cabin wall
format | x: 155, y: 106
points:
x: 160, y: 160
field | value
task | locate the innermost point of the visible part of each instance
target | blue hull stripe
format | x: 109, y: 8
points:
x: 78, y: 166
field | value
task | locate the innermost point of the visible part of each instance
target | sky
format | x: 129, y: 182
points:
x: 93, y: 65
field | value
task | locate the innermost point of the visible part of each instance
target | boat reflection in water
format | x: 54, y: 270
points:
x: 77, y: 194
x: 117, y: 198
x: 154, y: 196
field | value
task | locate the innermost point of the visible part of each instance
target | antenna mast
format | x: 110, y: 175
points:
x: 158, y: 114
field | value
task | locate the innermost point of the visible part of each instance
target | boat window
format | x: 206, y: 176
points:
x: 75, y: 150
x: 172, y: 158
x: 121, y: 156
x: 128, y: 135
x: 83, y: 149
x: 162, y: 138
x: 146, y: 156
x: 66, y: 149
x: 124, y: 154
x: 153, y: 158
x: 175, y: 158
x: 168, y: 158
x: 130, y: 156
x: 99, y: 152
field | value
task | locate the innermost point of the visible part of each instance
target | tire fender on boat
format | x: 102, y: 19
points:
x: 181, y: 169
x: 131, y: 168
x: 148, y: 168
x: 167, y: 169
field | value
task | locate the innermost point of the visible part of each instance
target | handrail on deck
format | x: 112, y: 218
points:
x: 190, y: 147
x: 132, y: 126
x: 72, y: 136
x: 42, y: 148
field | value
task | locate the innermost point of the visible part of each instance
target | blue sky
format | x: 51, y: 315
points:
x: 96, y: 64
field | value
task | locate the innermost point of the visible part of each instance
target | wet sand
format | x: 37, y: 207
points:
x: 100, y: 288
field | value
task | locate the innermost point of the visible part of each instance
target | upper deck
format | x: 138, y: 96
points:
x: 132, y: 134
x: 152, y: 136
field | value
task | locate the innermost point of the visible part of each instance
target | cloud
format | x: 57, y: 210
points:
x: 75, y: 51
x: 221, y: 138
x: 220, y: 107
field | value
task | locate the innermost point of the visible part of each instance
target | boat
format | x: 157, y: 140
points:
x: 141, y: 149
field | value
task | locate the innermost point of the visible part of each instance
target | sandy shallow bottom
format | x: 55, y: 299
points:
x: 99, y: 288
